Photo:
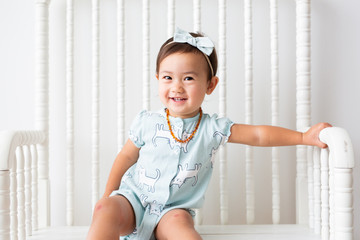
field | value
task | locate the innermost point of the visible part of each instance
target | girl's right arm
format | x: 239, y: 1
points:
x: 127, y: 157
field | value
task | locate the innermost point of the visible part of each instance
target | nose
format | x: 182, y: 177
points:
x: 177, y: 86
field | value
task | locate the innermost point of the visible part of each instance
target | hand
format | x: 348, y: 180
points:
x: 106, y: 194
x: 311, y: 137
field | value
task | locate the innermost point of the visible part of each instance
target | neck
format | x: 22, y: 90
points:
x: 183, y: 116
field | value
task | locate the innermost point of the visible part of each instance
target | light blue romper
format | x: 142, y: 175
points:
x: 168, y: 174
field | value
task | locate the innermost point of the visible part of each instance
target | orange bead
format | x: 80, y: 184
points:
x: 191, y: 135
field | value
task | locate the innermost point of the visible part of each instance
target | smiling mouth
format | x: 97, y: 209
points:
x: 177, y: 99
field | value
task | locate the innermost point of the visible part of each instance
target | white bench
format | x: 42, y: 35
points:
x: 324, y: 206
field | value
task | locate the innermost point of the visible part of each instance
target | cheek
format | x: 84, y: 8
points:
x: 198, y: 93
x: 202, y: 89
x: 162, y: 87
x: 162, y: 92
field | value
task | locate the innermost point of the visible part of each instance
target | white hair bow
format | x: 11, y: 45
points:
x: 204, y: 44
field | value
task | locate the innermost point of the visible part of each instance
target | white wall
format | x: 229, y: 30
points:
x: 335, y: 87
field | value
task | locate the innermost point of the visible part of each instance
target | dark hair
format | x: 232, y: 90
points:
x: 170, y: 47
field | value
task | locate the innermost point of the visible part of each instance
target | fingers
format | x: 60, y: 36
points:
x: 327, y: 125
x: 322, y: 145
x: 312, y: 135
x: 322, y: 126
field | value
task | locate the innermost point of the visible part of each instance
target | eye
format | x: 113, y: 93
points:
x: 188, y: 78
x: 167, y: 77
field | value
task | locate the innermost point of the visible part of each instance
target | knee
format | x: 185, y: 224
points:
x: 183, y: 216
x: 176, y: 224
x: 114, y: 216
x: 103, y: 204
x: 179, y: 216
x: 107, y: 208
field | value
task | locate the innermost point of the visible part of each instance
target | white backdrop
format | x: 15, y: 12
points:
x: 335, y: 88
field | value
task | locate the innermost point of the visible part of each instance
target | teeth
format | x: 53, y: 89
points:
x: 178, y: 99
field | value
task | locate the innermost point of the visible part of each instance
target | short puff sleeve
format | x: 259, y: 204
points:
x: 220, y: 126
x: 137, y: 129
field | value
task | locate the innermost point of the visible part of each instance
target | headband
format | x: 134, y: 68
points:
x: 204, y: 44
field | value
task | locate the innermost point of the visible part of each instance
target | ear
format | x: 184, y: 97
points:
x: 157, y: 76
x: 212, y: 85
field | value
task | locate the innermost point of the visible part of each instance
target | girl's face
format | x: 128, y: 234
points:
x: 183, y: 83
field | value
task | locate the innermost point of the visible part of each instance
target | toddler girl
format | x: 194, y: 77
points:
x: 165, y: 166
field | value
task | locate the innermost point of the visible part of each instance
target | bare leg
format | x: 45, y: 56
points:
x: 113, y: 216
x: 176, y: 224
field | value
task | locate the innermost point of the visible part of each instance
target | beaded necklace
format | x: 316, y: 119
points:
x: 191, y: 135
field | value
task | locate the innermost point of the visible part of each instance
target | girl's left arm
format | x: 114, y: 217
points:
x: 268, y: 136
